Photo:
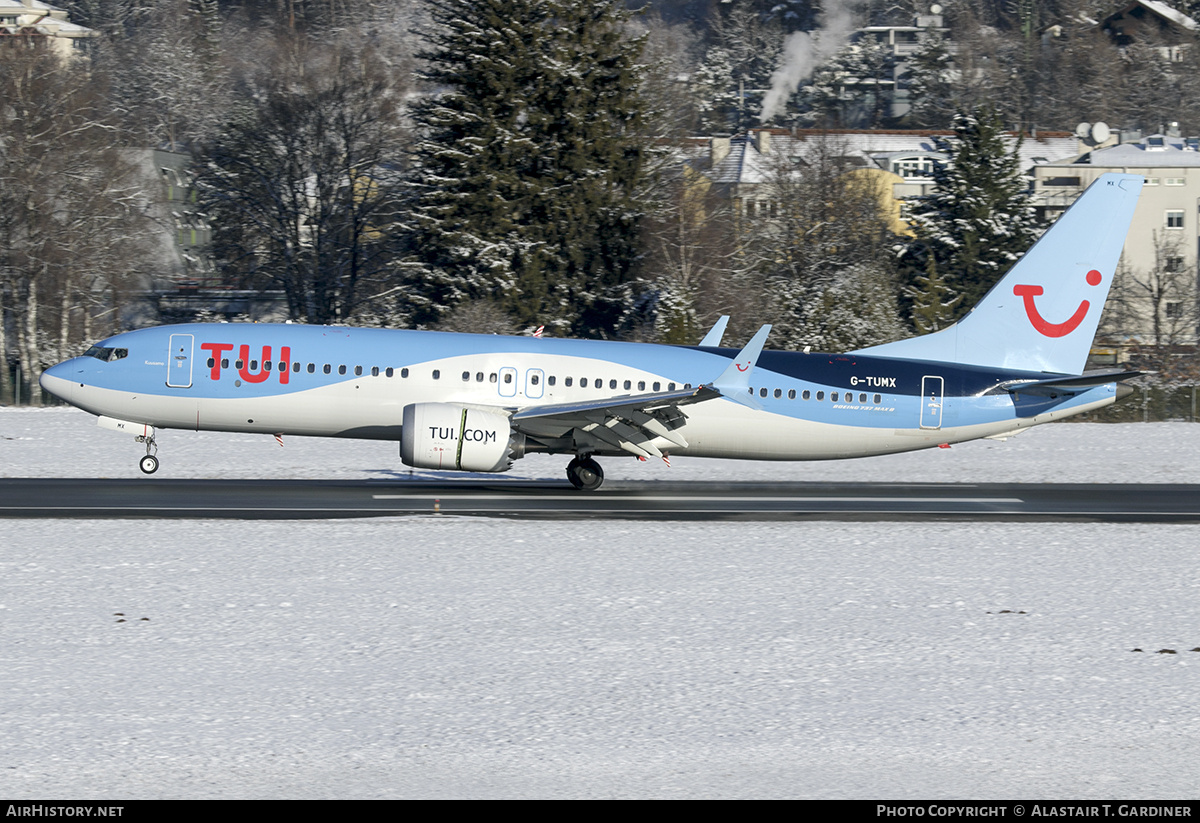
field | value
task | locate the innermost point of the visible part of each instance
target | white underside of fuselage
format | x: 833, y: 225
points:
x: 372, y: 408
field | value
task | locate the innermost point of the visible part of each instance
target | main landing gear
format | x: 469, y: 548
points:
x: 149, y: 463
x: 585, y: 474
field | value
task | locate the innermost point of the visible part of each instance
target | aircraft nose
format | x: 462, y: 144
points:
x: 58, y: 381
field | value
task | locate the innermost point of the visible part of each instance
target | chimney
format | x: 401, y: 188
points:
x: 762, y: 141
x: 718, y: 148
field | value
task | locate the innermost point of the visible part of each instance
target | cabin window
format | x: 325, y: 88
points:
x: 762, y: 392
x: 533, y: 380
x: 778, y: 393
x: 820, y: 395
x: 312, y: 367
x: 282, y: 366
x: 612, y: 384
x: 641, y: 385
x: 328, y: 369
x: 211, y: 362
x: 806, y: 395
x: 296, y: 367
x: 466, y: 377
x: 437, y: 374
x: 670, y: 387
x: 568, y: 381
x: 374, y: 371
x: 877, y: 399
x: 833, y: 397
x: 239, y: 364
x: 551, y: 380
x: 628, y: 385
x: 583, y: 382
x: 390, y: 372
x: 478, y: 377
x: 492, y: 377
x: 358, y: 371
x: 508, y: 378
x: 224, y: 362
x: 862, y: 398
x: 404, y: 372
x: 657, y: 386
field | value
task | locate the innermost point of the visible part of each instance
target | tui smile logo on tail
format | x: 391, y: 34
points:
x: 1044, y: 326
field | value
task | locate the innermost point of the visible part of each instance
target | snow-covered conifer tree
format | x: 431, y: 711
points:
x: 530, y: 151
x: 978, y: 220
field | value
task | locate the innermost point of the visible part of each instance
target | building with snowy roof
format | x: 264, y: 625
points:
x: 35, y: 19
x: 1152, y: 23
x: 740, y: 169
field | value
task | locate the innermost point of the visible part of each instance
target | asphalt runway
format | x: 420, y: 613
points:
x: 320, y: 499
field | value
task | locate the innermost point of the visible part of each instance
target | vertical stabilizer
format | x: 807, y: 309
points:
x: 1042, y: 315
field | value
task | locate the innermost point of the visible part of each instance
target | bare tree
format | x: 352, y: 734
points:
x: 73, y: 226
x: 302, y: 185
x: 1163, y: 296
x: 820, y: 242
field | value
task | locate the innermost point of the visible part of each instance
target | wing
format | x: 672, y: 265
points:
x: 631, y: 422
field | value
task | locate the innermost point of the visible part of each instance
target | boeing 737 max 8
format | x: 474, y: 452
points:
x: 478, y: 402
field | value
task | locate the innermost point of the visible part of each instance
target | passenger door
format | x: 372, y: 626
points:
x: 179, y: 361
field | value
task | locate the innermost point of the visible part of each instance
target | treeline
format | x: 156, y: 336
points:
x: 498, y: 165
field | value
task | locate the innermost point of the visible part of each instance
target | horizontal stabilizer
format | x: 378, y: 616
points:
x: 1054, y: 385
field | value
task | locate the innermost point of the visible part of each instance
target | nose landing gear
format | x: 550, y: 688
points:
x: 149, y: 463
x: 585, y: 474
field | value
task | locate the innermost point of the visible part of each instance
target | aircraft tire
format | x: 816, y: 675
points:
x: 148, y: 464
x: 585, y: 474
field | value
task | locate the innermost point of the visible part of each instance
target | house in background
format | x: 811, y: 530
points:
x: 739, y: 170
x: 33, y: 18
x: 1152, y: 23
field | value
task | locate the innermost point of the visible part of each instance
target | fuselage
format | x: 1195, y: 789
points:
x: 349, y: 382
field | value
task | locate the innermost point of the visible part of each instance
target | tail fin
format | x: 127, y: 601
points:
x: 1042, y: 315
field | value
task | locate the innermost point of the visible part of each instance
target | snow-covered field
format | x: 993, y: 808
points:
x: 443, y: 657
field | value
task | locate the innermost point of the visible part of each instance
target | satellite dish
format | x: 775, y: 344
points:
x: 1083, y: 130
x: 1101, y: 132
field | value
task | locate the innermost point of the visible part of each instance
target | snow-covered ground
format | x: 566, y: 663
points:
x: 445, y: 657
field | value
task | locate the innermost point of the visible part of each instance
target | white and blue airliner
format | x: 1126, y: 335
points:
x: 476, y: 403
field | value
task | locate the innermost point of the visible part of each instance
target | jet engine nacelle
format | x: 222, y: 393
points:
x: 445, y: 436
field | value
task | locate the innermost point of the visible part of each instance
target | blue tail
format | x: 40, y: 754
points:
x: 1042, y: 315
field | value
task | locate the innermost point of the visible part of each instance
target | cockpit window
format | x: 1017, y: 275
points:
x: 106, y: 354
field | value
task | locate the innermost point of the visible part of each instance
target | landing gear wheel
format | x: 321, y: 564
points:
x: 585, y: 474
x: 148, y: 464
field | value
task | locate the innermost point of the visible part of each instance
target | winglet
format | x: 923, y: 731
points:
x: 734, y: 382
x: 716, y: 333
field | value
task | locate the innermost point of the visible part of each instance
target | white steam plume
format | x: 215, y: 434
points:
x: 803, y: 51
